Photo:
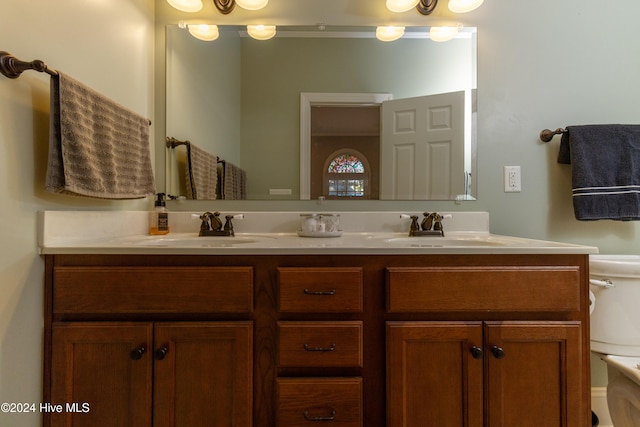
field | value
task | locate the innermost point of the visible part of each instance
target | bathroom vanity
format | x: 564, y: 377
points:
x: 359, y: 330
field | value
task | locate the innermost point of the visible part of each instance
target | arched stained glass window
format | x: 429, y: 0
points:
x: 346, y: 163
x: 346, y: 176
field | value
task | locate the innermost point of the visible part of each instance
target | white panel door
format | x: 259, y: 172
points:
x: 423, y: 147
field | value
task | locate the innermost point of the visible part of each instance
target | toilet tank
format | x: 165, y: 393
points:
x: 615, y: 317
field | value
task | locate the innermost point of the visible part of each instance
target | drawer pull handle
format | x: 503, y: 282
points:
x: 136, y: 353
x: 309, y: 292
x: 476, y: 352
x: 498, y: 352
x: 160, y: 353
x: 327, y: 418
x: 309, y: 348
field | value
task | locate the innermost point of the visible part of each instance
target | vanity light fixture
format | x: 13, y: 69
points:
x: 389, y: 33
x: 464, y: 6
x: 252, y: 4
x: 261, y: 32
x: 425, y: 7
x: 186, y: 5
x: 227, y: 6
x: 401, y: 5
x: 443, y: 34
x: 204, y: 32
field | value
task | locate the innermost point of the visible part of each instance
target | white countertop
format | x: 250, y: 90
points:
x: 274, y: 233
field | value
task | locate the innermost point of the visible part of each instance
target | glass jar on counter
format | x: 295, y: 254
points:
x: 319, y: 223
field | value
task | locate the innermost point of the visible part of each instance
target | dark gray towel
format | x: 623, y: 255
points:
x: 605, y: 163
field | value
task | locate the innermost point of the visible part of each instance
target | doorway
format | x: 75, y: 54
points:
x: 345, y: 151
x: 309, y: 100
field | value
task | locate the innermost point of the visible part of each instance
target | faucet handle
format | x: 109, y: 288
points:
x: 228, y: 225
x: 437, y: 224
x: 205, y: 217
x: 414, y: 223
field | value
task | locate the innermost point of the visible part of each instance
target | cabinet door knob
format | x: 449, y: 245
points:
x: 327, y: 418
x: 136, y: 353
x: 476, y: 352
x: 160, y: 353
x: 498, y: 352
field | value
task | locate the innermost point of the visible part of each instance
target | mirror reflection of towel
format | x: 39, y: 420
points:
x: 97, y: 148
x: 202, y: 173
x: 605, y: 162
x: 234, y: 182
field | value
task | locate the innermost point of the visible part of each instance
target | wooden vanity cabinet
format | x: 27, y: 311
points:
x: 338, y: 340
x: 519, y: 369
x: 126, y: 354
x: 444, y: 373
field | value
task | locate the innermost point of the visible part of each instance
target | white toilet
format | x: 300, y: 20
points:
x: 615, y: 331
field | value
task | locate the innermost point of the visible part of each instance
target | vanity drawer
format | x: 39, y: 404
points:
x: 310, y: 401
x: 320, y: 344
x: 320, y: 290
x: 140, y: 290
x: 495, y: 289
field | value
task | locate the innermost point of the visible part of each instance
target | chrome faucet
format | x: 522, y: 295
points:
x: 212, y: 226
x: 431, y: 225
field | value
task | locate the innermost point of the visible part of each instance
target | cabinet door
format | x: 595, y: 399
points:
x: 101, y: 374
x: 434, y: 374
x: 203, y: 374
x: 534, y: 374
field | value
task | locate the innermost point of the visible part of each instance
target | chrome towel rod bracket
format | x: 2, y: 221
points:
x: 12, y: 67
x: 547, y: 135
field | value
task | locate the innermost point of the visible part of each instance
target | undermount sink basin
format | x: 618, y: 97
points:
x: 201, y: 242
x: 436, y: 241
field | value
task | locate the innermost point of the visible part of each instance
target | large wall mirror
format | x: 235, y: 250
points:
x: 330, y: 112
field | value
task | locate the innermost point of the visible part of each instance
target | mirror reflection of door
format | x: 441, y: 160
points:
x: 345, y: 151
x: 423, y: 139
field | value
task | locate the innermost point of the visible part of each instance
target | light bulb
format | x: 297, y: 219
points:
x: 204, y: 32
x: 186, y: 5
x: 463, y: 6
x: 443, y: 34
x: 389, y: 34
x: 261, y: 32
x: 401, y: 5
x: 252, y: 4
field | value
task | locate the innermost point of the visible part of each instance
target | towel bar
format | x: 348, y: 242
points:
x: 546, y: 135
x: 173, y: 143
x: 12, y: 67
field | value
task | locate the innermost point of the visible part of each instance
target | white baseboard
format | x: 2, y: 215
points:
x: 599, y: 406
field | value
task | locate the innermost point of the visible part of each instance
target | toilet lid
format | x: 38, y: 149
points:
x: 630, y: 366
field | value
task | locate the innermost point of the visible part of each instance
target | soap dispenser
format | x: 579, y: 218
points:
x: 159, y: 217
